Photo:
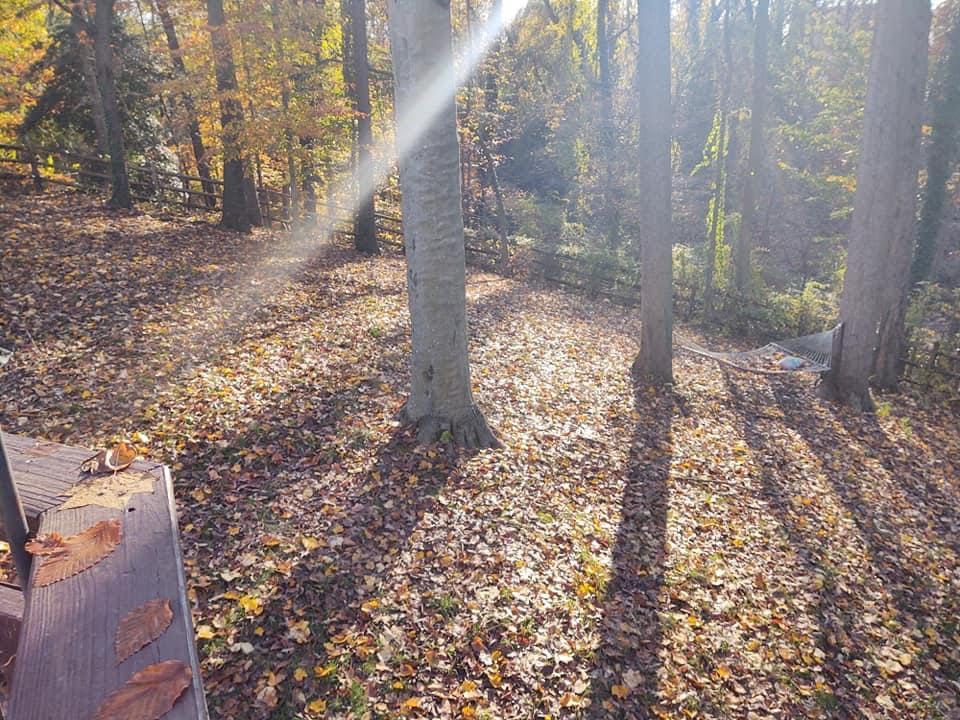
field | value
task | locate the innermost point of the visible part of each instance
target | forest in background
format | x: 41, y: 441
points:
x: 767, y: 99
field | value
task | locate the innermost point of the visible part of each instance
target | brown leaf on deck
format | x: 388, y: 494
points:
x: 75, y: 553
x: 45, y: 544
x: 149, y: 694
x: 142, y: 626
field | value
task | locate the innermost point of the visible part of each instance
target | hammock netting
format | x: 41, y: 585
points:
x: 808, y: 353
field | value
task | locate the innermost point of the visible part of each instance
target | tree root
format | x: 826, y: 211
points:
x: 468, y: 430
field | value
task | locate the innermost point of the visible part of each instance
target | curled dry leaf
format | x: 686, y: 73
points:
x: 117, y: 458
x: 65, y: 557
x: 142, y: 626
x: 45, y: 544
x: 149, y: 694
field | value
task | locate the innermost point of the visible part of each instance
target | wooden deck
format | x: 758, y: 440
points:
x: 66, y: 662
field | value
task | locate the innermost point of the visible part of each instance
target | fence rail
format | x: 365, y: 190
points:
x: 927, y: 368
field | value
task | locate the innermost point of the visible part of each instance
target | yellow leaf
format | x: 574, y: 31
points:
x: 299, y: 674
x: 413, y: 703
x: 495, y: 679
x: 468, y: 712
x: 204, y: 632
x: 321, y: 671
x: 723, y: 672
x: 309, y: 543
x: 620, y: 691
x: 370, y: 605
x: 317, y: 706
x: 198, y: 495
x: 251, y: 604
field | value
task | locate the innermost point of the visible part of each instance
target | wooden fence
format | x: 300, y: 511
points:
x: 928, y: 368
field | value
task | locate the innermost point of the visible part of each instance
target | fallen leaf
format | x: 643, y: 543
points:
x: 142, y: 626
x: 317, y: 706
x: 149, y: 694
x: 111, y: 491
x: 620, y: 691
x: 77, y: 553
x: 115, y: 459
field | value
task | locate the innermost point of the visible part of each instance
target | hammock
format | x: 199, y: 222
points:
x: 808, y: 353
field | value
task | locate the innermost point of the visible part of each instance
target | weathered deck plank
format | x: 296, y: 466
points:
x: 44, y: 472
x: 66, y: 664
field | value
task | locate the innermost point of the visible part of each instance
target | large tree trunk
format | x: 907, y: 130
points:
x: 655, y: 360
x: 103, y: 52
x: 756, y: 153
x: 945, y: 99
x: 231, y: 121
x: 365, y: 224
x: 440, y: 401
x: 190, y: 110
x: 878, y: 256
x: 88, y: 67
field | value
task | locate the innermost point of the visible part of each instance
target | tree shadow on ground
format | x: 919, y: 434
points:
x: 628, y: 656
x: 845, y: 602
x: 363, y: 505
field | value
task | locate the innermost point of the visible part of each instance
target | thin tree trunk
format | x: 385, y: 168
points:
x: 251, y: 187
x: 285, y: 103
x: 441, y: 401
x: 945, y: 99
x: 880, y: 237
x: 718, y: 213
x: 79, y: 26
x: 365, y: 224
x: 103, y: 52
x: 607, y: 130
x: 231, y: 121
x: 190, y: 110
x: 748, y: 213
x: 655, y: 360
x: 504, y: 257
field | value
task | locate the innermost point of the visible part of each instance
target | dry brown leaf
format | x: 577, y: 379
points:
x: 117, y: 458
x: 112, y: 491
x: 45, y: 544
x: 149, y: 694
x: 142, y: 626
x: 76, y: 553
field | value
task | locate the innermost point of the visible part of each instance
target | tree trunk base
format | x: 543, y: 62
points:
x: 647, y: 377
x: 856, y: 401
x: 468, y: 430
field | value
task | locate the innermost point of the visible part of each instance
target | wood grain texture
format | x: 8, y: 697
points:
x: 11, y: 617
x: 44, y: 471
x: 66, y: 663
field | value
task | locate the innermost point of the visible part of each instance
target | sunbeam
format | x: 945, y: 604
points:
x: 303, y: 244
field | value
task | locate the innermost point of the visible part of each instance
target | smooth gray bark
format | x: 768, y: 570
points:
x: 103, y: 54
x: 655, y: 360
x: 441, y: 401
x: 880, y: 242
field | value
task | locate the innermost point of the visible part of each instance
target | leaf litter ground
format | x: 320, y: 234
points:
x: 734, y: 548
